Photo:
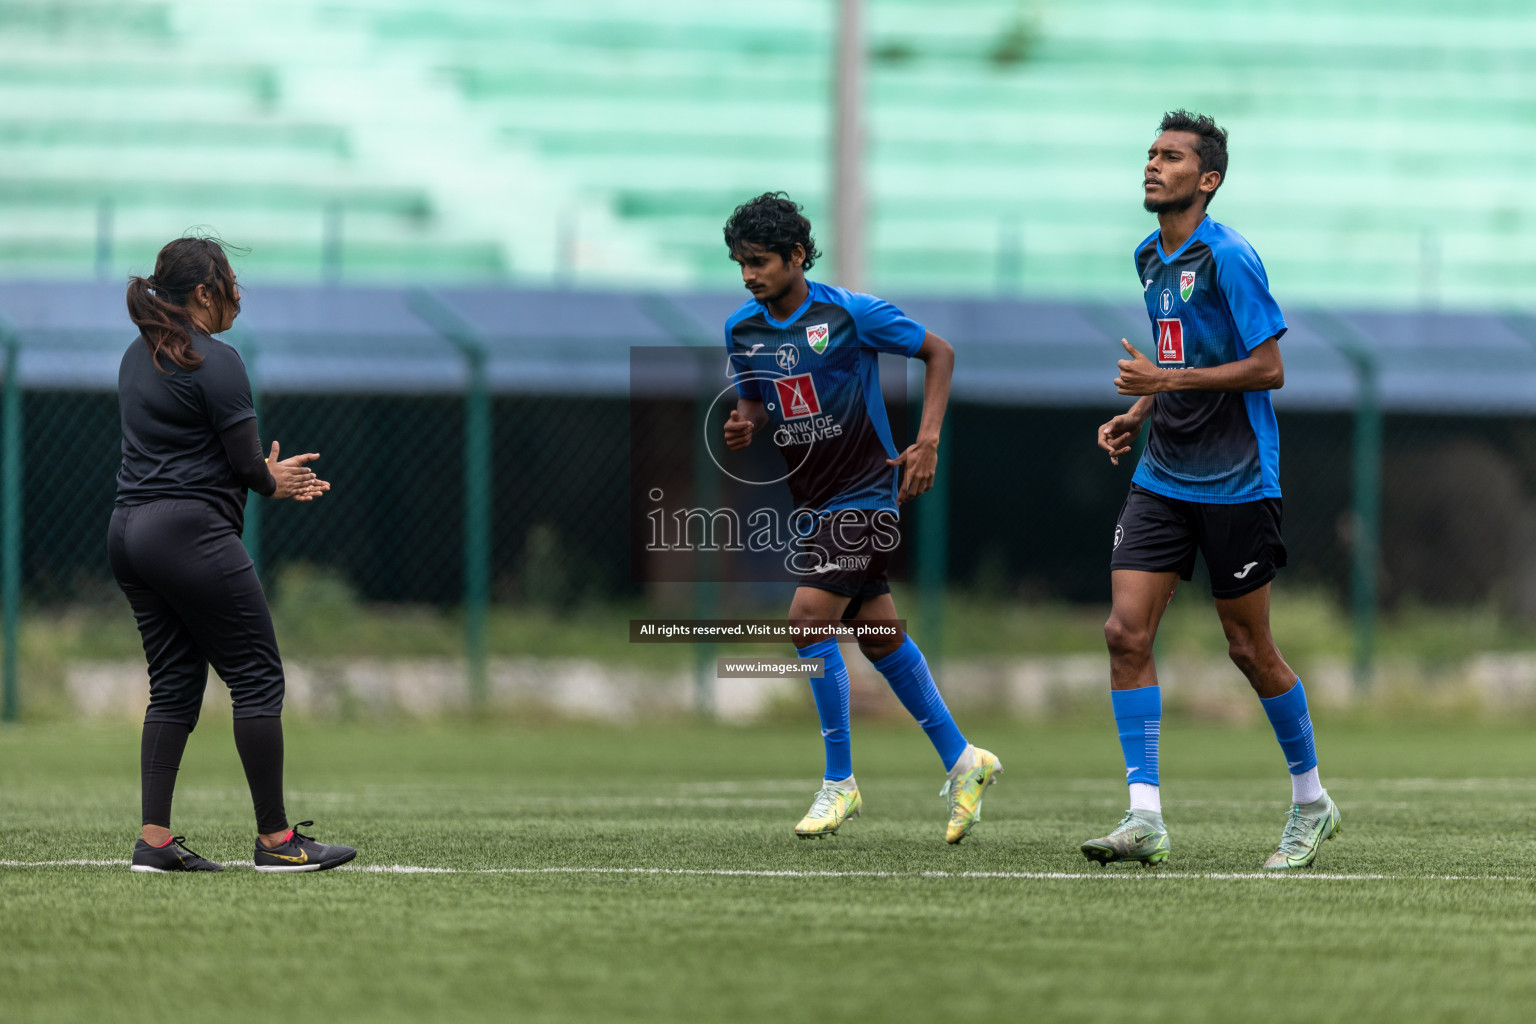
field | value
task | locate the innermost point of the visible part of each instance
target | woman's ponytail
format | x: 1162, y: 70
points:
x: 162, y: 325
x: 158, y: 304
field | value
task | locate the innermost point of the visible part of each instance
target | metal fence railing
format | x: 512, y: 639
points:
x: 477, y: 470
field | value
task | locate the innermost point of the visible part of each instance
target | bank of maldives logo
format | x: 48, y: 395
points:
x: 1170, y: 342
x: 1165, y: 302
x: 817, y: 337
x: 797, y: 397
x: 787, y: 356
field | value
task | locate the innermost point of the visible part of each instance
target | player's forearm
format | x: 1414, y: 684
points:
x: 1142, y: 410
x: 1261, y: 371
x: 1228, y: 377
x: 938, y: 371
x: 242, y: 447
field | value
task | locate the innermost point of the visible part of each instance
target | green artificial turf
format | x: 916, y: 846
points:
x: 906, y: 936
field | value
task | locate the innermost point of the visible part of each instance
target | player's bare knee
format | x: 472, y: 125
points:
x: 1125, y: 640
x: 806, y: 629
x: 801, y: 619
x: 1245, y: 655
x: 875, y: 650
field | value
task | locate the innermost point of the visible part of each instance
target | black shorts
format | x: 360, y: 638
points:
x: 849, y: 552
x: 1241, y: 543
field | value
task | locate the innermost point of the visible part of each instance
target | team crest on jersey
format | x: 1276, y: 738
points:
x: 1170, y: 342
x: 797, y: 396
x: 817, y: 336
x: 1186, y: 284
x: 1165, y: 302
x: 787, y: 356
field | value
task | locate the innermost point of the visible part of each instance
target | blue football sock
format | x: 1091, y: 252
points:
x: 1139, y: 718
x: 831, y: 693
x: 907, y: 671
x: 1293, y: 727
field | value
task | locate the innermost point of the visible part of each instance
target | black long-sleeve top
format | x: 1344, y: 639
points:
x: 189, y: 433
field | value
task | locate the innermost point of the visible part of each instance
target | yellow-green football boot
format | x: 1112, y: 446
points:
x: 1140, y: 836
x: 835, y: 803
x: 1307, y: 827
x: 968, y: 781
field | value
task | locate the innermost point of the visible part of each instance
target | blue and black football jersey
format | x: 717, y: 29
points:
x: 817, y: 374
x: 1209, y: 304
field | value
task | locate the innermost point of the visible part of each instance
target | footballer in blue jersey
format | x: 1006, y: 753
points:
x: 1208, y: 481
x: 805, y: 360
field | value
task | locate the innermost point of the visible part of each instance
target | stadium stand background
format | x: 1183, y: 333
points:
x: 1380, y: 150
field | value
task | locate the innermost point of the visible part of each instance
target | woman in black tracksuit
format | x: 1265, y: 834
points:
x: 190, y: 452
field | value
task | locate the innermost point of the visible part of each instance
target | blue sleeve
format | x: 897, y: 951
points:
x: 747, y: 386
x: 883, y: 327
x: 1136, y: 255
x: 1245, y: 286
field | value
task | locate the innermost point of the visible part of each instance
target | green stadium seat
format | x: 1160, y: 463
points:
x: 1380, y: 152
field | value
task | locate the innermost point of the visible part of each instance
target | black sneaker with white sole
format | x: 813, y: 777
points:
x: 301, y: 853
x: 173, y: 856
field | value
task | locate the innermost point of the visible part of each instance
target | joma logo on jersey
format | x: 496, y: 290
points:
x: 817, y: 336
x: 1170, y: 341
x: 1186, y: 284
x: 797, y: 395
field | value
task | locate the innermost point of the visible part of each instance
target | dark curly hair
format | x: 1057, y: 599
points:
x: 1212, y: 144
x: 773, y: 221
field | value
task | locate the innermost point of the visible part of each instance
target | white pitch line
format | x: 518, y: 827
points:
x: 1046, y: 876
x: 1016, y: 875
x: 61, y: 863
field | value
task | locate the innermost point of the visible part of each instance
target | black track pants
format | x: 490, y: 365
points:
x: 160, y: 752
x: 197, y: 602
